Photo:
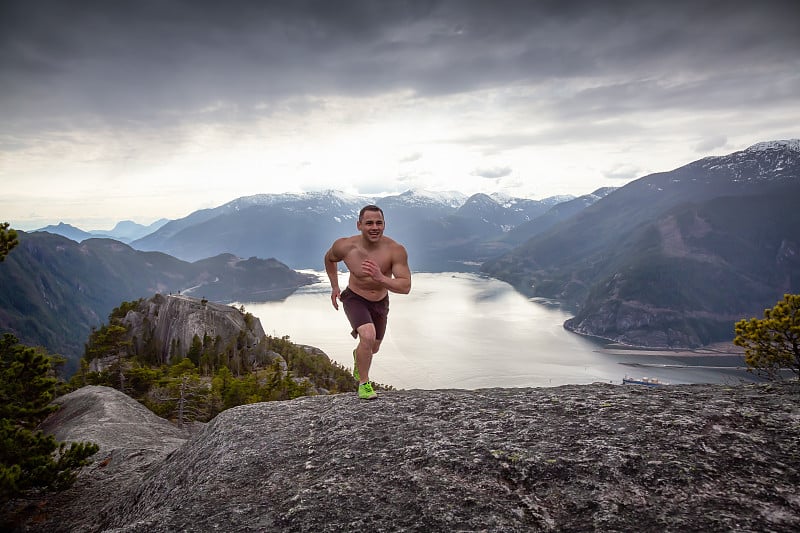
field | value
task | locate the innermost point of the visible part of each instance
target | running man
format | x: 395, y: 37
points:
x: 378, y: 265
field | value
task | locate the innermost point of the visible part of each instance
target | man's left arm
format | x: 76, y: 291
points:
x: 401, y: 273
x: 400, y: 279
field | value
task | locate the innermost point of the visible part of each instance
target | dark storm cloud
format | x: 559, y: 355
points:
x: 73, y: 63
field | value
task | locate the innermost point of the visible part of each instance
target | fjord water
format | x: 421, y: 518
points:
x: 461, y: 330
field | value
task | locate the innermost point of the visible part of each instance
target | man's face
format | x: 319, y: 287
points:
x: 371, y: 225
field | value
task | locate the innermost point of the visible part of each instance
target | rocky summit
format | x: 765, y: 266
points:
x: 572, y: 458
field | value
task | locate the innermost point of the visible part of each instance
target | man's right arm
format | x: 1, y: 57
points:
x: 332, y: 269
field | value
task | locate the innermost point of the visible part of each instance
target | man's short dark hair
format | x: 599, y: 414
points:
x: 369, y: 208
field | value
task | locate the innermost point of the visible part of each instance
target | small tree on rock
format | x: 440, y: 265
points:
x: 772, y: 343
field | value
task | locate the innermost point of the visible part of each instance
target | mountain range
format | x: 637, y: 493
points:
x: 442, y: 231
x: 671, y: 259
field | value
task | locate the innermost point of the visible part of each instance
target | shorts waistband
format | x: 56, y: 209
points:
x: 356, y: 295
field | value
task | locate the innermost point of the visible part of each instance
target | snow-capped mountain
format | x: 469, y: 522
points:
x: 419, y: 197
x: 319, y: 201
x: 499, y: 213
x: 772, y: 160
x: 787, y: 144
x: 486, y: 215
x: 482, y: 205
x: 298, y: 228
x: 553, y: 215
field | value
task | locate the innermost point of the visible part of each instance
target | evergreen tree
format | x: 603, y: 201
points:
x: 195, y: 350
x: 111, y: 341
x: 8, y: 240
x: 183, y: 396
x: 772, y: 344
x: 27, y: 460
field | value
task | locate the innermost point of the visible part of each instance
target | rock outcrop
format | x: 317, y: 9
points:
x: 168, y: 324
x: 570, y: 458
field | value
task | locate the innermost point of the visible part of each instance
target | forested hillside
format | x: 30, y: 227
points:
x: 53, y: 290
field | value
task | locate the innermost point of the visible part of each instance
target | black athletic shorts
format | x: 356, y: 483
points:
x: 361, y: 311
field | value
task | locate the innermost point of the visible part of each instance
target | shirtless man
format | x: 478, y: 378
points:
x: 377, y: 265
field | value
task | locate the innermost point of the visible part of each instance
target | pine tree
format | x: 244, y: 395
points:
x: 27, y: 388
x: 111, y: 341
x: 772, y: 344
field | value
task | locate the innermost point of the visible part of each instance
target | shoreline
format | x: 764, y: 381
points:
x: 609, y: 346
x: 719, y: 349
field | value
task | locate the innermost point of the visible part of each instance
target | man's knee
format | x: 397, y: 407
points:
x: 366, y: 334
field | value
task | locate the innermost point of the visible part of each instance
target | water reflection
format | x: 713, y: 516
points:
x: 467, y: 331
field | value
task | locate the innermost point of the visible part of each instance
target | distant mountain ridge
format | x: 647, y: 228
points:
x: 298, y: 228
x: 128, y: 230
x: 124, y: 231
x: 69, y: 231
x: 673, y: 259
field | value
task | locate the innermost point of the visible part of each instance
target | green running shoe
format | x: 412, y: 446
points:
x: 365, y: 391
x: 355, y: 367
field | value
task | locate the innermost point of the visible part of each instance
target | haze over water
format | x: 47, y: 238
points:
x: 460, y: 330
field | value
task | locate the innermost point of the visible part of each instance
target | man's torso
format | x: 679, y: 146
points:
x: 360, y: 282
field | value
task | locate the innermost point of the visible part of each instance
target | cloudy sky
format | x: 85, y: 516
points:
x: 156, y: 108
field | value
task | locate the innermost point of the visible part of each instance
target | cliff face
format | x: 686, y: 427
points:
x: 169, y: 324
x: 572, y: 458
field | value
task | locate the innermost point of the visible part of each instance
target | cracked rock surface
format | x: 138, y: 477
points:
x: 572, y: 458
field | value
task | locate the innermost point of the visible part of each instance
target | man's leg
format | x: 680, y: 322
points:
x: 365, y: 349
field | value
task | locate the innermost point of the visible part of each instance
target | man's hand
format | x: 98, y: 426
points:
x: 335, y: 296
x: 372, y: 269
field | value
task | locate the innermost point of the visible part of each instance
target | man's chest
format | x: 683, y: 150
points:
x: 356, y: 257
